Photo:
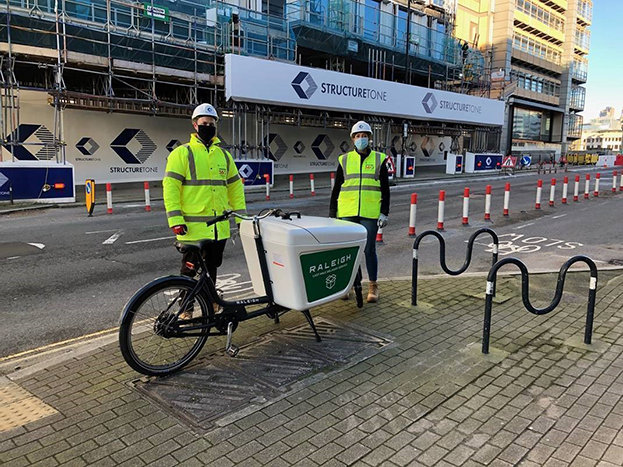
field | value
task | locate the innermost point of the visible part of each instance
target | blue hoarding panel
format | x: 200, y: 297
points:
x: 29, y: 182
x: 253, y: 171
x: 487, y: 162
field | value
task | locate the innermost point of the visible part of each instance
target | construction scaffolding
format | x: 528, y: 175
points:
x: 141, y: 58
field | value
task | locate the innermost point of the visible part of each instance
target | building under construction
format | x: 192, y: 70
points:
x: 108, y: 85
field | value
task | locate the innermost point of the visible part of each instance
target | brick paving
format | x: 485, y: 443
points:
x: 432, y: 400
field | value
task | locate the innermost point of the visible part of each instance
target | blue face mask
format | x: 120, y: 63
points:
x: 361, y: 143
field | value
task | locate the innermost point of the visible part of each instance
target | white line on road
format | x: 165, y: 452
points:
x: 558, y: 217
x: 13, y: 257
x: 525, y: 225
x: 101, y: 231
x: 149, y: 240
x: 41, y: 246
x: 113, y: 238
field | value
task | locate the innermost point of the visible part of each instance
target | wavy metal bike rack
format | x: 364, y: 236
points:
x: 442, y: 255
x: 525, y: 294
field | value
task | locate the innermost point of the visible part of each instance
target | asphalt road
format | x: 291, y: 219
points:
x: 64, y: 275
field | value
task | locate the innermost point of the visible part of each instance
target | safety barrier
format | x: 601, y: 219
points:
x: 442, y: 255
x: 147, y: 197
x: 525, y: 294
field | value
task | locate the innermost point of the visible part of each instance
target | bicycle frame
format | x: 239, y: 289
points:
x: 232, y: 310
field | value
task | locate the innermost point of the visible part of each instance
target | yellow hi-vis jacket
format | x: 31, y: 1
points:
x: 360, y: 195
x: 199, y: 184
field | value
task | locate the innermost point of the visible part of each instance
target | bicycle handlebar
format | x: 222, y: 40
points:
x: 227, y: 214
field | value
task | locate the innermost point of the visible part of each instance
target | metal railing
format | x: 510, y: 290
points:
x: 442, y: 255
x: 525, y: 294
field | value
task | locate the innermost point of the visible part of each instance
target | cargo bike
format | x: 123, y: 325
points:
x: 295, y: 262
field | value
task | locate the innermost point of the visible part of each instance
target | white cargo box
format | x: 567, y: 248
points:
x: 311, y: 260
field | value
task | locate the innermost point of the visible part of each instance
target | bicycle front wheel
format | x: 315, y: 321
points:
x: 143, y: 343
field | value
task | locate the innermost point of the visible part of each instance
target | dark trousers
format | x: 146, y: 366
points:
x: 372, y: 262
x: 212, y: 254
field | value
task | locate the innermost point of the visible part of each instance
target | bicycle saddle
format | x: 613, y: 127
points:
x: 197, y: 246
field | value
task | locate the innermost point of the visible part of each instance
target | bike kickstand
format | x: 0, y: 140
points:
x: 309, y: 319
x: 231, y: 349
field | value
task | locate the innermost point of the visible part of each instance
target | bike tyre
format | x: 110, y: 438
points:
x: 129, y: 314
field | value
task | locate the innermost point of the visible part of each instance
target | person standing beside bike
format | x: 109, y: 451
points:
x: 361, y: 195
x: 200, y: 182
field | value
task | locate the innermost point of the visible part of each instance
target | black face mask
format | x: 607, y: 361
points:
x: 206, y: 133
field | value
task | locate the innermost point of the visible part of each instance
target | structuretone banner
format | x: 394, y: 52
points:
x: 289, y: 84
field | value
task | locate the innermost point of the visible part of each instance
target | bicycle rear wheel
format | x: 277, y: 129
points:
x: 152, y: 309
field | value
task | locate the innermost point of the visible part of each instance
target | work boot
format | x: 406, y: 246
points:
x: 373, y: 293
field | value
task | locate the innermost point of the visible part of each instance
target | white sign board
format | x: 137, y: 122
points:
x: 250, y: 79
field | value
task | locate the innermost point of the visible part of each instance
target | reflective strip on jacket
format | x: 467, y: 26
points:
x: 360, y: 194
x: 199, y: 184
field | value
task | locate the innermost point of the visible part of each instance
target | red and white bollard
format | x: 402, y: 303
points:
x: 488, y: 203
x: 565, y: 188
x: 332, y: 180
x: 311, y: 182
x: 597, y: 178
x: 576, y: 189
x: 379, y: 235
x: 147, y: 199
x: 587, y: 186
x: 552, y: 192
x: 267, y: 179
x: 109, y: 198
x: 507, y: 198
x: 539, y: 191
x: 412, y: 214
x: 614, y: 181
x: 466, y: 206
x: 291, y: 186
x: 441, y: 210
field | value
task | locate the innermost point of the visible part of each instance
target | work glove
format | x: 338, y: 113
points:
x: 382, y: 221
x: 179, y: 229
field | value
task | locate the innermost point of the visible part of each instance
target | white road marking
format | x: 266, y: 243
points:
x: 14, y: 257
x: 558, y: 217
x: 113, y: 238
x: 132, y: 205
x: 100, y: 231
x: 41, y: 246
x: 149, y: 240
x: 525, y: 225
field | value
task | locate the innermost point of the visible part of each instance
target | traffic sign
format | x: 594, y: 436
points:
x: 89, y: 191
x: 509, y: 162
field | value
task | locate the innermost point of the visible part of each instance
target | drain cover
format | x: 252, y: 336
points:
x: 265, y: 370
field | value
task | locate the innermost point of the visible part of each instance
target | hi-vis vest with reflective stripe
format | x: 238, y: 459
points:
x: 360, y: 194
x: 199, y: 184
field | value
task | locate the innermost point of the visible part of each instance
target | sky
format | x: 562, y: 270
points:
x: 605, y: 67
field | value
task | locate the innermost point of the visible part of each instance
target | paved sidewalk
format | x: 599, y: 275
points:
x: 539, y: 399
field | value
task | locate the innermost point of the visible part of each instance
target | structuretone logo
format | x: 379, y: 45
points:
x: 87, y: 146
x: 297, y: 85
x: 429, y: 103
x: 305, y: 87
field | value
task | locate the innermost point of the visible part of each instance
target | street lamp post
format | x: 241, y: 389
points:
x: 408, y: 43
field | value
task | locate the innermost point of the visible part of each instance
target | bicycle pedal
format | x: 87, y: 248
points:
x: 233, y: 350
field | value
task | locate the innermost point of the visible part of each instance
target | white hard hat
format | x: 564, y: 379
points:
x: 360, y: 127
x: 205, y: 110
